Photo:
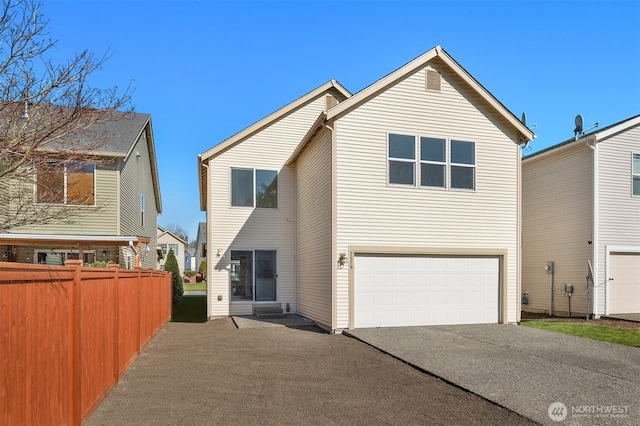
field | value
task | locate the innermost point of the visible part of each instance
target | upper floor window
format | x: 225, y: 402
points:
x: 443, y: 163
x: 254, y: 187
x: 174, y: 247
x: 636, y: 174
x: 70, y: 183
x: 463, y: 165
x: 142, y: 210
x: 402, y: 156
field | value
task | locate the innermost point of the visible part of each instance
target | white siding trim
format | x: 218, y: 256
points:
x: 596, y: 232
x: 607, y: 269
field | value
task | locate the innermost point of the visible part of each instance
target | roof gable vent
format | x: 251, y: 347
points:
x: 433, y: 80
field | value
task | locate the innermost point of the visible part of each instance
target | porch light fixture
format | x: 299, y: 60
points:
x: 104, y: 253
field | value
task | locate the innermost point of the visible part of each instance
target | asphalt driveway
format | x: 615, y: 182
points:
x: 215, y: 373
x: 524, y: 369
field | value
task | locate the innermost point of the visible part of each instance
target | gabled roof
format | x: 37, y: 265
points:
x: 524, y: 134
x: 417, y: 64
x: 167, y: 232
x: 331, y: 86
x: 596, y: 136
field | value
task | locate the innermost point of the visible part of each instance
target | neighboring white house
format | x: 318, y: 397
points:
x: 167, y: 240
x: 581, y: 204
x: 397, y: 206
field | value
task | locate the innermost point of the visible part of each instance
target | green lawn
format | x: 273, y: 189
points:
x: 194, y: 286
x: 191, y: 309
x: 597, y: 332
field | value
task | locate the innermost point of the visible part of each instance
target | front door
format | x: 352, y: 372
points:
x: 254, y: 275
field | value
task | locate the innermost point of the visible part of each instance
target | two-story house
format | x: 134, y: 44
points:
x: 115, y: 219
x: 167, y: 240
x: 581, y: 224
x: 396, y: 206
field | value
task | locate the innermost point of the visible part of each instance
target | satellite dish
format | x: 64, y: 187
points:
x: 579, y: 125
x: 524, y: 118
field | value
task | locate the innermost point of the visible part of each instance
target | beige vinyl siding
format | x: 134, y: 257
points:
x: 557, y: 223
x: 314, y: 259
x: 166, y: 238
x: 371, y: 212
x: 618, y: 211
x: 136, y: 179
x: 97, y: 220
x: 251, y: 228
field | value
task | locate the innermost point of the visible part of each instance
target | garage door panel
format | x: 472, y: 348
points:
x: 425, y: 290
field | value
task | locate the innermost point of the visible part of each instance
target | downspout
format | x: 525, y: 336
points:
x: 334, y: 215
x: 596, y: 240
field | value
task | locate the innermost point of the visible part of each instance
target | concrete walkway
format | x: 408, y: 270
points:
x: 525, y: 370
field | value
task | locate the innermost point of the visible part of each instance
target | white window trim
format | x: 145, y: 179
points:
x: 254, y: 190
x: 415, y: 161
x: 452, y: 164
x: 142, y: 208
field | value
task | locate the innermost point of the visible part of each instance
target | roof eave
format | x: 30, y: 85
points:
x: 308, y: 137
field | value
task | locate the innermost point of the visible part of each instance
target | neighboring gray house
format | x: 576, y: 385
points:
x: 395, y: 206
x: 201, y: 245
x: 581, y: 205
x: 117, y: 221
x: 189, y: 259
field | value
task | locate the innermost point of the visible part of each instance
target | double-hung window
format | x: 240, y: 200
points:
x: 254, y: 188
x: 463, y: 165
x: 402, y: 159
x: 635, y: 178
x: 433, y: 162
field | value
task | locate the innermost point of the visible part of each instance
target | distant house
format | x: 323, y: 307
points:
x: 201, y: 245
x: 396, y: 206
x: 189, y: 259
x: 581, y: 206
x: 118, y: 210
x: 167, y: 241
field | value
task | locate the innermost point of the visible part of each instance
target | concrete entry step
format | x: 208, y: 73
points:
x: 268, y: 312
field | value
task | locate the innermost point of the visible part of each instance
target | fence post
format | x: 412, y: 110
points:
x: 116, y: 345
x: 76, y: 403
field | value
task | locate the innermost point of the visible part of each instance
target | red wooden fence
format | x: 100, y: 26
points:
x: 68, y: 333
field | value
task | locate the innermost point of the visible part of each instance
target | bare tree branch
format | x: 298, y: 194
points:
x: 47, y: 110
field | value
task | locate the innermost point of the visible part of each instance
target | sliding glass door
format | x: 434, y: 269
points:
x: 253, y: 275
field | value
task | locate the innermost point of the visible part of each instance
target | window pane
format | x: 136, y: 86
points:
x: 402, y: 146
x: 636, y: 185
x: 267, y: 189
x: 636, y: 164
x: 432, y: 175
x: 462, y: 152
x: 265, y: 275
x: 401, y: 172
x: 241, y: 275
x: 80, y: 180
x: 432, y: 149
x: 462, y: 177
x: 242, y: 187
x: 50, y: 184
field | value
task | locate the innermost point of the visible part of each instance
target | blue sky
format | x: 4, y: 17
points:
x: 205, y: 70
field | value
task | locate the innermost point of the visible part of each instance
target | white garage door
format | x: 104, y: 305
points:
x: 392, y: 291
x: 624, y: 289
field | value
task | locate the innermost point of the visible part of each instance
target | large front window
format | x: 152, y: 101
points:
x: 254, y: 188
x: 66, y: 183
x: 442, y: 163
x: 253, y: 275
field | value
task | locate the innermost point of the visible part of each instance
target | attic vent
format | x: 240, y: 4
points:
x: 330, y: 102
x: 433, y: 80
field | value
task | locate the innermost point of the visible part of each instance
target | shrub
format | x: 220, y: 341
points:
x: 190, y: 272
x: 171, y: 265
x: 203, y: 268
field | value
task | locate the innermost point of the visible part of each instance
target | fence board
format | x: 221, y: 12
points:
x: 61, y: 353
